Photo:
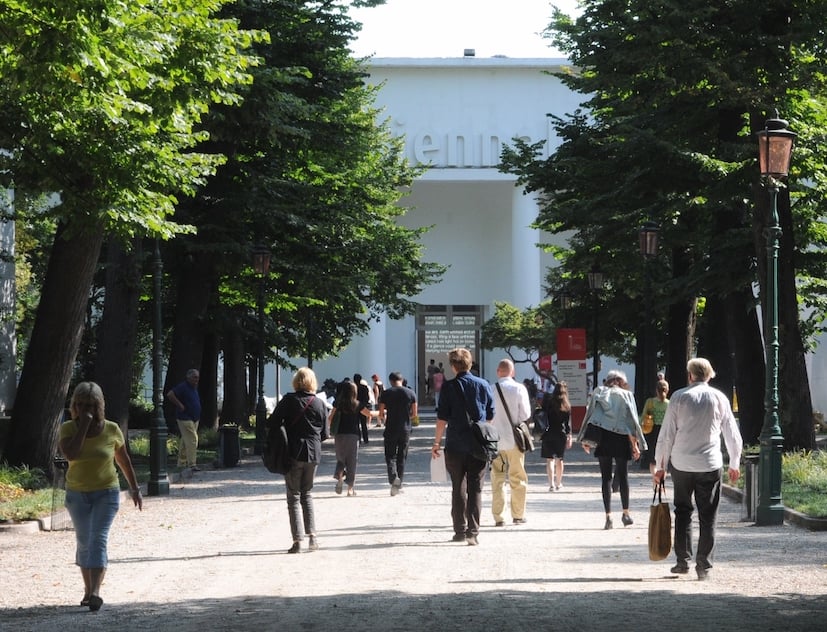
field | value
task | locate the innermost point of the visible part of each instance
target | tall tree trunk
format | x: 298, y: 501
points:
x: 680, y: 330
x: 236, y: 404
x: 208, y: 386
x: 53, y: 347
x: 714, y: 344
x: 742, y: 323
x: 193, y: 297
x: 796, y: 405
x: 114, y: 365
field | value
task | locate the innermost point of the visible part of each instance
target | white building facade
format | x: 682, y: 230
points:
x: 455, y: 116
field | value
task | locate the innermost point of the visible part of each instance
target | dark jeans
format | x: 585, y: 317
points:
x: 363, y: 422
x: 621, y: 474
x: 467, y: 474
x: 299, y: 483
x: 706, y: 487
x: 396, y: 453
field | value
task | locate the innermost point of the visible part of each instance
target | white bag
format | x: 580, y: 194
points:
x: 439, y: 474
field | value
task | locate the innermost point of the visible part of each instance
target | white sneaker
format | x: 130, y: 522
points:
x: 551, y: 488
x: 558, y: 488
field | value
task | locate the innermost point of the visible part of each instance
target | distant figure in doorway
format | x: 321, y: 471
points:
x: 438, y: 380
x: 557, y: 436
x: 397, y: 409
x: 188, y: 412
x: 429, y: 376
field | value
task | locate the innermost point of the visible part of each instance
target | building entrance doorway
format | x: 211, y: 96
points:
x: 440, y: 328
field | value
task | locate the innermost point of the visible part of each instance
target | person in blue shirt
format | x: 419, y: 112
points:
x: 187, y: 412
x: 466, y: 392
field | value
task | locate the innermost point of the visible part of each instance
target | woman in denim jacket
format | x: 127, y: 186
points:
x: 612, y: 409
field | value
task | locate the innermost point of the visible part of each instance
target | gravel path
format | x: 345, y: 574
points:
x: 211, y: 556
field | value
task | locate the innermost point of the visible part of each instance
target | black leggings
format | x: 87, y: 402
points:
x: 621, y: 478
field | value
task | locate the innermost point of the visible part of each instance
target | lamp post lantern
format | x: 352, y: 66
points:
x: 158, y: 484
x: 648, y: 239
x: 775, y: 146
x: 261, y: 265
x: 565, y: 304
x: 595, y: 285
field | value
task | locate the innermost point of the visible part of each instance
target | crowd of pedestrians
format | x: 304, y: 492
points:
x: 685, y: 431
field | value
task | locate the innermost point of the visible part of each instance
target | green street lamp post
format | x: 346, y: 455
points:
x: 775, y: 146
x: 595, y: 285
x: 261, y: 265
x: 648, y: 243
x: 158, y: 484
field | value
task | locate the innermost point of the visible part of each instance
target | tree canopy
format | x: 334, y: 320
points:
x: 672, y: 96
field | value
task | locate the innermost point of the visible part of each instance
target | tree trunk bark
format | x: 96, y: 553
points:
x: 193, y: 297
x: 208, y: 386
x: 118, y: 329
x: 796, y: 405
x: 236, y: 404
x: 53, y: 347
x: 742, y: 323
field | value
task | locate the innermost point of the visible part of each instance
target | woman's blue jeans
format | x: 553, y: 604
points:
x: 92, y: 515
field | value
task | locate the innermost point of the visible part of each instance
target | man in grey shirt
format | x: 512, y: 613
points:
x: 690, y: 440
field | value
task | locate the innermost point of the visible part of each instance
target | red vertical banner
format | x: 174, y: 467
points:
x: 572, y: 369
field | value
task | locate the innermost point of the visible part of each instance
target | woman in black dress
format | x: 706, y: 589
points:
x: 557, y: 437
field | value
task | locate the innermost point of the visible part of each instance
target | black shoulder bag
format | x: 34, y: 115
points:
x: 484, y: 436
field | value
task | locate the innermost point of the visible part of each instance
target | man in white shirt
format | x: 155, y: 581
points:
x: 510, y: 462
x: 690, y: 440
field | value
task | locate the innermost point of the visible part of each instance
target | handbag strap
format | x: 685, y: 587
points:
x: 658, y: 492
x: 505, y: 405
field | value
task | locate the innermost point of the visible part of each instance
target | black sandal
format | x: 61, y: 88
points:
x: 95, y: 603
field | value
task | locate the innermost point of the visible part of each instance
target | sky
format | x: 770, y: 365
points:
x: 445, y: 28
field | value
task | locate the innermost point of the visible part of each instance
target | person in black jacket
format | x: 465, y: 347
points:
x: 363, y: 395
x: 305, y: 418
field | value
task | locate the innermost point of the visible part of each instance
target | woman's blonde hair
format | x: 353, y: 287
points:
x: 305, y: 380
x: 88, y: 393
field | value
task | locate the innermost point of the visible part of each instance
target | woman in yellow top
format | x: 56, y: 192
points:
x: 656, y: 408
x: 93, y: 445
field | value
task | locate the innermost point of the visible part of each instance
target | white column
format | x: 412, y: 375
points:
x: 526, y: 272
x: 373, y: 351
x: 8, y: 342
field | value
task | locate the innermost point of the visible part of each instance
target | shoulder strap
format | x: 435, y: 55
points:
x: 299, y: 416
x: 505, y: 405
x: 464, y: 401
